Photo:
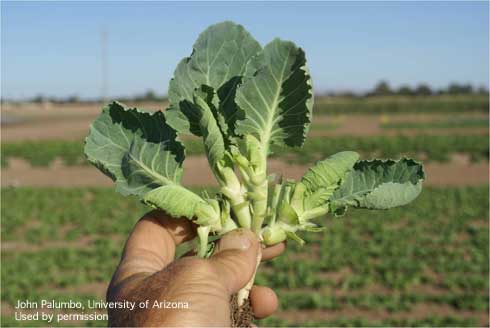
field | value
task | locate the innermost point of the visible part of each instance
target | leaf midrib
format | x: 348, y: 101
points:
x: 270, y: 118
x: 152, y: 173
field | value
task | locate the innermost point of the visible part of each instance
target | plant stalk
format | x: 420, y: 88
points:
x: 232, y: 189
x: 243, y: 293
x: 203, y: 234
x: 260, y: 188
x: 259, y: 206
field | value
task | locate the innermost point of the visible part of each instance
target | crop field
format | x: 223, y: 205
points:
x: 430, y: 148
x: 422, y: 265
x: 426, y: 264
x: 377, y: 105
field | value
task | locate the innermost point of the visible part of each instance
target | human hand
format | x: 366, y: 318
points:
x: 148, y: 271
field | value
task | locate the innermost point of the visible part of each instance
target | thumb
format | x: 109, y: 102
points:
x: 235, y: 259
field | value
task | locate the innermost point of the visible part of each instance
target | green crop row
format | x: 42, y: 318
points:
x: 433, y: 321
x: 55, y: 242
x: 43, y: 153
x: 393, y: 105
x: 432, y: 148
x: 392, y: 303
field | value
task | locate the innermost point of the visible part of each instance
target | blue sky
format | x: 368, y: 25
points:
x: 54, y: 48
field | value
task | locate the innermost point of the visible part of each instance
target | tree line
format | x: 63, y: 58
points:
x: 381, y: 89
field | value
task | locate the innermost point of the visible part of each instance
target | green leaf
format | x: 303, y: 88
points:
x: 214, y: 143
x: 319, y: 197
x: 298, y: 198
x: 218, y: 60
x: 293, y: 236
x: 175, y: 200
x: 330, y: 171
x: 276, y: 96
x: 287, y: 214
x: 312, y: 227
x: 136, y: 149
x: 379, y: 184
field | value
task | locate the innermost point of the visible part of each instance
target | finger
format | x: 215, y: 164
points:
x: 264, y: 301
x: 268, y: 253
x: 151, y: 244
x: 273, y: 251
x: 235, y: 259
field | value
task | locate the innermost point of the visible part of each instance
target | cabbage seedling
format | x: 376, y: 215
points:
x: 241, y: 99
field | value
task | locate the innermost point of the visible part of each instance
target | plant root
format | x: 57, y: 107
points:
x: 240, y: 316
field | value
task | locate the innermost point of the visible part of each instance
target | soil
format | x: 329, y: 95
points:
x: 70, y: 130
x: 71, y: 122
x: 78, y: 129
x: 197, y: 173
x: 41, y: 122
x: 404, y: 117
x: 21, y: 246
x: 240, y: 316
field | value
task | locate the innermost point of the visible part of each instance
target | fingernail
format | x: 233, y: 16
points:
x: 237, y: 239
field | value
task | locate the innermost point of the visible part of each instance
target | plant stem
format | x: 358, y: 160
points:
x: 243, y: 293
x: 232, y: 189
x: 203, y: 233
x: 260, y: 188
x: 259, y: 206
x: 275, y: 201
x: 240, y: 206
x: 242, y: 212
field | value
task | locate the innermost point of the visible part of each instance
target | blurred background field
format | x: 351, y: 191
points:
x: 391, y: 79
x: 63, y: 226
